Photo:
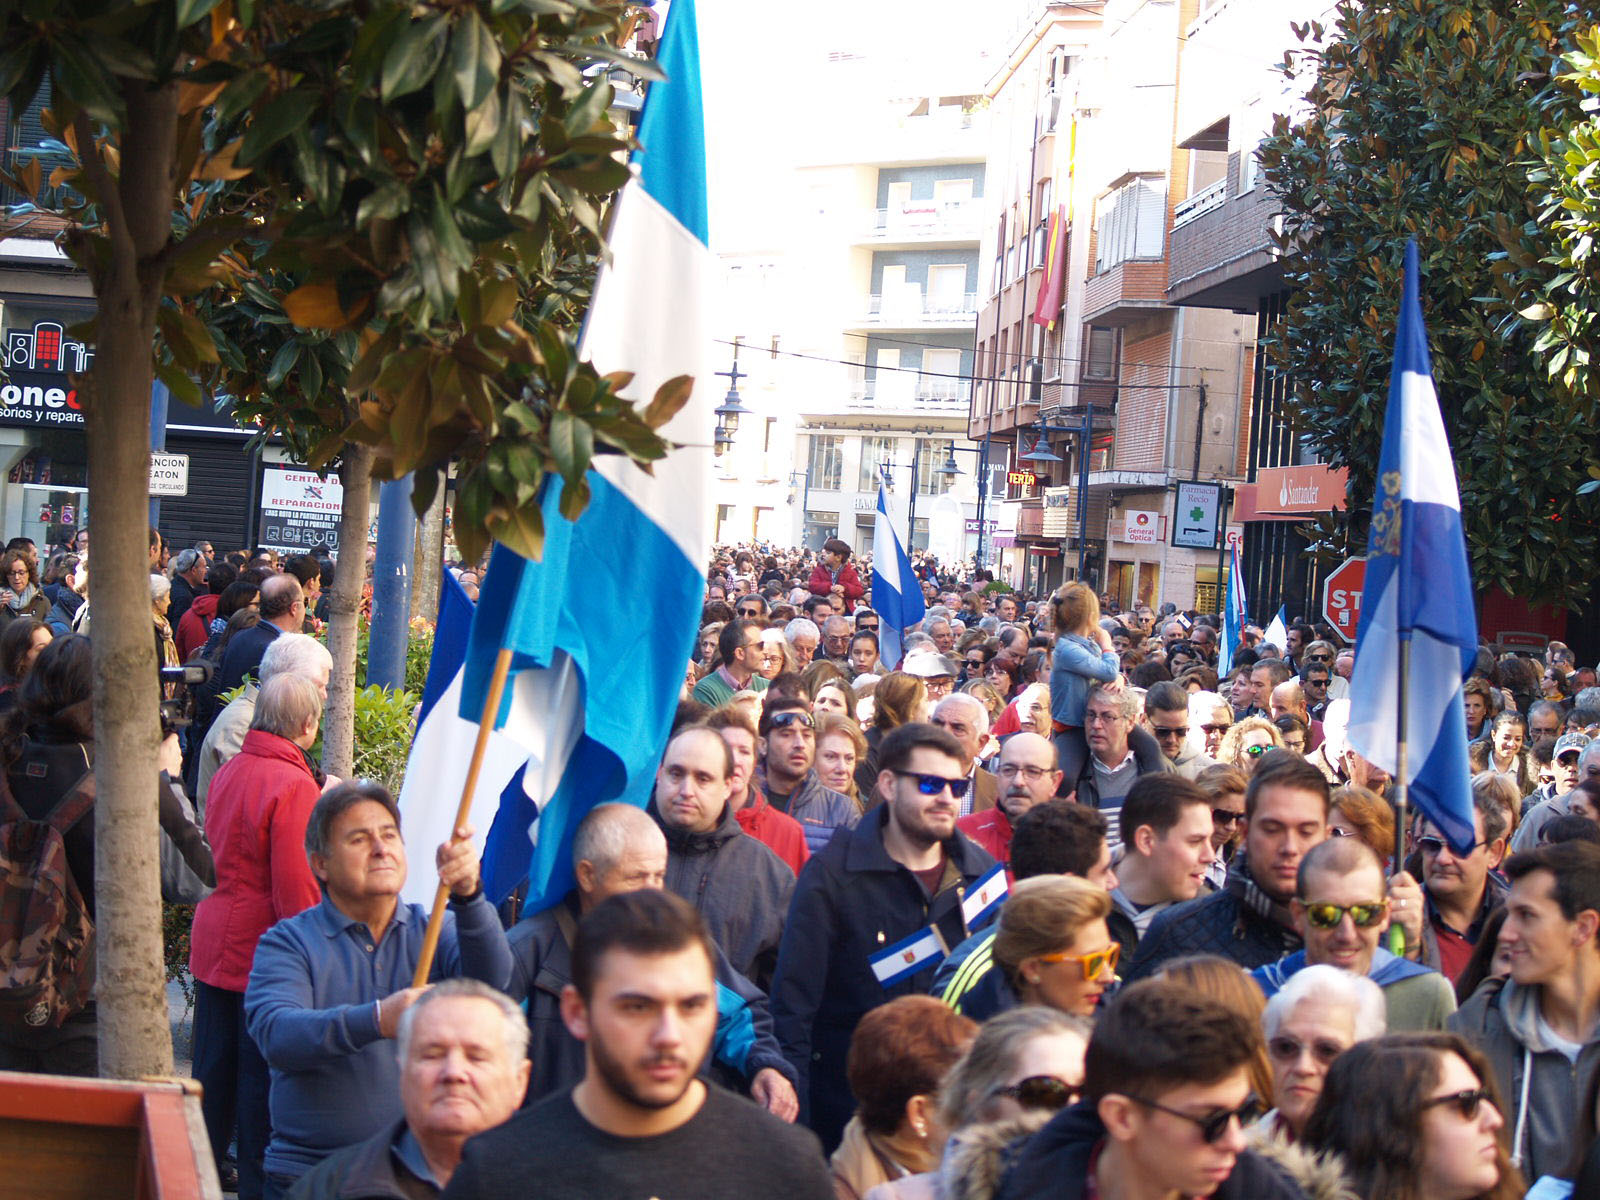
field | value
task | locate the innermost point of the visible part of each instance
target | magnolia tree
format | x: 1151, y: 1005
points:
x: 375, y: 226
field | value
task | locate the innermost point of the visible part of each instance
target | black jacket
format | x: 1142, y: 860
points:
x: 183, y: 595
x: 740, y: 887
x: 1229, y: 923
x: 853, y: 900
x: 365, y: 1171
x: 541, y: 966
x: 242, y: 659
x: 1054, y: 1163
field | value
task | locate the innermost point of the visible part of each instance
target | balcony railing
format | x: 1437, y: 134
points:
x: 926, y: 219
x: 1202, y: 202
x: 908, y: 394
x: 913, y: 307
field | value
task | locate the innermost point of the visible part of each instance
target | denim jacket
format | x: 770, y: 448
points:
x: 1076, y: 664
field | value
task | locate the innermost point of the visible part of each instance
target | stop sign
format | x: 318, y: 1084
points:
x: 1341, y: 597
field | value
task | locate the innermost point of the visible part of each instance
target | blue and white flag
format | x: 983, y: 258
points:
x: 1234, y: 616
x: 984, y: 898
x: 1418, y: 587
x: 1277, y: 633
x: 442, y: 749
x: 601, y: 628
x: 923, y: 949
x: 896, y: 591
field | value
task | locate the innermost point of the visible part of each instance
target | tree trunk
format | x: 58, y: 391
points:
x: 428, y: 560
x: 344, y: 609
x: 135, y: 1038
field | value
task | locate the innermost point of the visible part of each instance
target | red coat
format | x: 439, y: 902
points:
x: 195, y: 624
x: 779, y: 831
x: 822, y: 584
x: 991, y: 829
x: 256, y: 814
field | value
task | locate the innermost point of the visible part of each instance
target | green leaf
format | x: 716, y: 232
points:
x: 278, y: 120
x: 282, y: 363
x: 590, y: 108
x: 186, y: 12
x: 474, y: 60
x: 483, y: 124
x: 81, y: 78
x: 413, y: 57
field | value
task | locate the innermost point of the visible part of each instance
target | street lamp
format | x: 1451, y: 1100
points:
x: 1041, y: 453
x: 731, y: 408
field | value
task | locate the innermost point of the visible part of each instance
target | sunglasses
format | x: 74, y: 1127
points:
x: 1040, y: 1091
x: 1093, y: 965
x: 1216, y: 728
x: 1222, y: 816
x: 1214, y: 1126
x: 1181, y: 731
x: 1256, y: 751
x: 794, y: 716
x: 873, y: 628
x: 1328, y: 916
x: 1432, y: 846
x: 1466, y: 1102
x: 1288, y: 1049
x: 932, y: 785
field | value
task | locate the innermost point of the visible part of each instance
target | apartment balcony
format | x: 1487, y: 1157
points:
x: 914, y: 309
x: 1222, y: 252
x: 1126, y: 292
x: 923, y: 223
x: 904, y: 394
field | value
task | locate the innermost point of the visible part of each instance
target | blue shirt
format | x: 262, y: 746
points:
x: 311, y: 1008
x: 1076, y: 665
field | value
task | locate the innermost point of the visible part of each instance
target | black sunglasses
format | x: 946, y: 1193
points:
x: 1466, y: 1102
x: 1432, y: 846
x: 1213, y: 1126
x: 1040, y: 1091
x: 1222, y: 816
x: 1288, y: 1049
x: 794, y: 716
x: 932, y: 785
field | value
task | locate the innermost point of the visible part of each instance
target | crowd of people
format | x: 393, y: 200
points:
x: 1045, y: 907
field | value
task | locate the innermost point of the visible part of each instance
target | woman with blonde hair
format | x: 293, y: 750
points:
x: 1361, y: 813
x: 841, y: 747
x: 898, y: 700
x: 1053, y: 945
x: 1246, y: 741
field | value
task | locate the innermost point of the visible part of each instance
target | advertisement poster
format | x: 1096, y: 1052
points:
x: 299, y: 511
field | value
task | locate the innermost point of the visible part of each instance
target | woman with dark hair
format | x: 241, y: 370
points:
x: 47, y: 754
x: 1415, y: 1117
x: 19, y: 588
x: 20, y: 646
x: 1508, y: 756
x: 898, y: 699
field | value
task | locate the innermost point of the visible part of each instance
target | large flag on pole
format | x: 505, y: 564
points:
x: 1234, y: 616
x: 601, y: 628
x: 896, y: 593
x: 1419, y: 587
x: 1277, y: 633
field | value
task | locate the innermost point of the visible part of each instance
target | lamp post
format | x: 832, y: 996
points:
x: 731, y: 408
x: 1041, y: 453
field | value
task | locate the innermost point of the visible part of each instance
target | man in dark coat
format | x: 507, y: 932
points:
x: 900, y: 876
x: 1248, y: 920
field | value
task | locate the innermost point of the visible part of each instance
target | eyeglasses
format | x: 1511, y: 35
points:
x: 1223, y: 816
x: 1093, y: 964
x: 1031, y: 774
x: 1328, y: 916
x: 1040, y: 1091
x: 932, y: 785
x: 794, y: 716
x: 1466, y: 1102
x: 1432, y: 846
x: 1216, y: 728
x: 872, y: 628
x: 1288, y: 1049
x: 1214, y: 1125
x: 1317, y: 683
x: 1256, y: 751
x: 1337, y: 831
x: 1180, y: 731
x: 1321, y: 658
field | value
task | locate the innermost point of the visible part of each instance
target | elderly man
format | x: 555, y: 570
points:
x: 804, y: 637
x: 1113, y: 762
x: 463, y: 1069
x: 188, y: 578
x: 1028, y: 777
x: 1289, y: 699
x: 938, y: 673
x: 283, y: 610
x: 944, y: 637
x: 1341, y: 910
x: 288, y: 654
x: 740, y: 887
x: 616, y: 849
x: 965, y: 718
x: 329, y: 986
x: 836, y: 632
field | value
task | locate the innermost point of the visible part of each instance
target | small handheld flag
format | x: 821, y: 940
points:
x: 923, y: 949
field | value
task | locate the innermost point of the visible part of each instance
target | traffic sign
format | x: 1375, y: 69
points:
x: 1341, y: 597
x: 169, y: 474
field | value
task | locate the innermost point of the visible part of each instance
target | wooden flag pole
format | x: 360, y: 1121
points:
x: 1397, y: 937
x: 491, y: 710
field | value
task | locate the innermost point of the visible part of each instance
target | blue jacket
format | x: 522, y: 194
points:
x: 310, y: 1006
x: 819, y: 809
x: 972, y: 982
x: 1386, y: 969
x: 851, y: 901
x: 541, y: 966
x: 1076, y: 664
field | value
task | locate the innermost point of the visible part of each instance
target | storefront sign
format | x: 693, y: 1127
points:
x: 1140, y: 527
x: 299, y: 511
x: 44, y: 348
x: 169, y: 474
x: 988, y: 526
x: 1298, y: 491
x: 31, y: 398
x: 1022, y: 478
x: 1195, y: 515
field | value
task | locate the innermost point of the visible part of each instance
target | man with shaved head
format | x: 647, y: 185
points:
x: 283, y: 610
x: 1289, y: 699
x: 1028, y: 776
x: 617, y: 848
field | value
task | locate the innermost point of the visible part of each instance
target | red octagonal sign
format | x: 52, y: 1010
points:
x: 1341, y: 597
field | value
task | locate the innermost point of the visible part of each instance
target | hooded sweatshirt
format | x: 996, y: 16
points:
x: 1542, y: 1088
x: 1417, y: 999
